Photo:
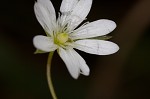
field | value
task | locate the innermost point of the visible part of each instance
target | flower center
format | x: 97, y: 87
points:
x: 61, y: 38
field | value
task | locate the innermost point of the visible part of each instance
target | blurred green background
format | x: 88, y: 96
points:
x: 124, y: 75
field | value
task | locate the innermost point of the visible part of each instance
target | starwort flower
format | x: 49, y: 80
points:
x: 65, y: 33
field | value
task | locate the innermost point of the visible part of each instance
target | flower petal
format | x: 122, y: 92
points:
x: 44, y: 43
x: 98, y: 47
x: 45, y: 14
x: 79, y: 13
x: 67, y: 5
x: 74, y: 62
x: 94, y: 29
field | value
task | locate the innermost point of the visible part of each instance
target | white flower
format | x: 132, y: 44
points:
x: 63, y: 34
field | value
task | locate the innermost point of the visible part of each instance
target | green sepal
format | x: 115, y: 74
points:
x: 102, y: 37
x: 39, y: 51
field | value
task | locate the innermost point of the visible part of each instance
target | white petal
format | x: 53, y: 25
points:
x: 81, y: 62
x: 67, y: 5
x: 79, y: 13
x: 45, y: 14
x: 70, y: 62
x: 93, y: 29
x: 74, y: 62
x: 98, y: 47
x: 44, y: 43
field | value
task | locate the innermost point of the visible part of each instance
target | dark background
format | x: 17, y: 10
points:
x: 124, y: 75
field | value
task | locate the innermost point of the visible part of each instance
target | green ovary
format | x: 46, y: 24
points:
x: 61, y: 38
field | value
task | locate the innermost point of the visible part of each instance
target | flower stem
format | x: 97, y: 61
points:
x: 49, y: 80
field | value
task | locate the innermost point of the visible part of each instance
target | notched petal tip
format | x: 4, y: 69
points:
x: 85, y: 72
x: 75, y: 64
x: 75, y: 77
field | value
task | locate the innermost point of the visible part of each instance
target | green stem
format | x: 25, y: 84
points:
x: 49, y: 80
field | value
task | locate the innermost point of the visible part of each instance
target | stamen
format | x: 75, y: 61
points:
x: 82, y: 27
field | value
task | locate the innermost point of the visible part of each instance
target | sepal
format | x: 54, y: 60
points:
x: 102, y: 37
x: 39, y: 51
